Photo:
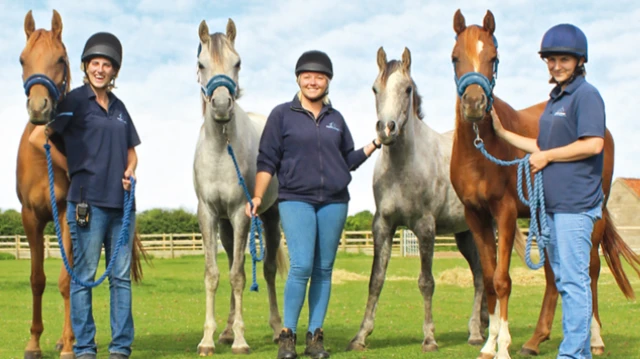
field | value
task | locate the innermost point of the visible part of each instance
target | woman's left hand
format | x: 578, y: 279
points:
x: 538, y: 161
x: 126, y: 183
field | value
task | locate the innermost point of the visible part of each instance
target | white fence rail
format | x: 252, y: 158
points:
x: 173, y: 245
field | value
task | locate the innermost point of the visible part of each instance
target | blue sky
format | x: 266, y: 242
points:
x: 158, y: 78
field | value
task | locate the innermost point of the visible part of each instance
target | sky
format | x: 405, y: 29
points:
x: 159, y: 86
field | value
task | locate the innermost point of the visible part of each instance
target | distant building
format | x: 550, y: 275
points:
x: 624, y: 206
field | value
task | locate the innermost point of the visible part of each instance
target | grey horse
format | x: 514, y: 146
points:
x: 221, y: 201
x: 411, y: 187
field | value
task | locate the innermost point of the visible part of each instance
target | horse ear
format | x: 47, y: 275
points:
x: 406, y: 61
x: 231, y: 31
x: 382, y: 59
x: 56, y: 25
x: 29, y: 24
x: 489, y: 22
x: 458, y: 22
x: 203, y: 32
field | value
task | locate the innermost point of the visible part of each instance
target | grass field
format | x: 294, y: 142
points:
x: 169, y: 311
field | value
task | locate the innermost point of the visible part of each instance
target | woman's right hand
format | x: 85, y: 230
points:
x: 257, y: 201
x: 497, y: 125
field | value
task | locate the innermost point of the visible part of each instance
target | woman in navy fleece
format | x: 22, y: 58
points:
x: 307, y: 143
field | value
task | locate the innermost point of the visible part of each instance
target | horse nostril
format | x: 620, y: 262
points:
x: 464, y: 97
x: 44, y: 105
x: 379, y: 126
x: 483, y: 98
x: 229, y: 102
x: 392, y: 125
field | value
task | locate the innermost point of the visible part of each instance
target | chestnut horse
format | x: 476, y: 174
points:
x: 46, y: 74
x: 488, y: 191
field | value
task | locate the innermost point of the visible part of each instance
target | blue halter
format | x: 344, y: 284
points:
x: 217, y: 81
x: 40, y: 79
x: 476, y: 78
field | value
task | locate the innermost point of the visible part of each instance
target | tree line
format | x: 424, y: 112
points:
x: 159, y: 220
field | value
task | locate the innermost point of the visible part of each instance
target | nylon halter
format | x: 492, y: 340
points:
x: 476, y: 78
x: 55, y: 91
x: 217, y: 81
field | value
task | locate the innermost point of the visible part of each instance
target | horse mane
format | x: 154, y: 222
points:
x: 393, y: 66
x: 46, y: 37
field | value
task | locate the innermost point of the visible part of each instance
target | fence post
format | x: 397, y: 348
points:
x: 403, y: 253
x: 46, y: 246
x: 164, y: 242
x: 171, y: 244
x: 344, y: 241
x: 17, y: 246
x: 193, y: 241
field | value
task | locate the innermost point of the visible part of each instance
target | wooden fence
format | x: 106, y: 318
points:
x: 178, y: 244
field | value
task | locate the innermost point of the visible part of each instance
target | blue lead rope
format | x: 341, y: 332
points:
x: 256, y: 223
x: 535, y: 203
x: 124, y: 231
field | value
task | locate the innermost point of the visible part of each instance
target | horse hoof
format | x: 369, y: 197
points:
x: 597, y: 350
x: 276, y: 339
x: 206, y: 351
x: 241, y: 350
x: 429, y: 348
x: 476, y: 342
x: 68, y: 355
x: 227, y: 340
x: 33, y: 354
x: 485, y: 356
x: 59, y: 347
x: 356, y: 347
x: 528, y: 352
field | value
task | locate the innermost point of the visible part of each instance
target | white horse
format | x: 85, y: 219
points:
x: 221, y: 201
x: 411, y: 187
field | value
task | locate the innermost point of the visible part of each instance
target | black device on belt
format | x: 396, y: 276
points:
x: 82, y: 212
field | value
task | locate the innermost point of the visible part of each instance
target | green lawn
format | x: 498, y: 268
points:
x: 169, y: 312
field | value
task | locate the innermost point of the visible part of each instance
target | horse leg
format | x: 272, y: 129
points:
x: 65, y: 344
x: 208, y: 227
x: 34, y: 229
x: 271, y: 221
x: 481, y: 227
x: 226, y: 237
x: 382, y: 240
x: 597, y: 344
x: 238, y: 279
x: 547, y: 312
x: 425, y: 230
x: 479, y: 315
x: 505, y: 214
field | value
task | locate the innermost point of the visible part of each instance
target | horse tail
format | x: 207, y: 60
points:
x: 612, y: 247
x: 138, y: 252
x: 282, y: 264
x: 519, y: 243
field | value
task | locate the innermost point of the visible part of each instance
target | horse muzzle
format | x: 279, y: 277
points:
x: 387, y: 131
x: 474, y: 104
x: 39, y: 110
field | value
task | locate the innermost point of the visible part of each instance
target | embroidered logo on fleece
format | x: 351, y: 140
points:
x: 560, y: 112
x: 119, y: 118
x: 332, y: 126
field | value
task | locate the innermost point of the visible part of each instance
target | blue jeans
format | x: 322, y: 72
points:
x: 313, y: 234
x: 569, y: 255
x: 103, y: 228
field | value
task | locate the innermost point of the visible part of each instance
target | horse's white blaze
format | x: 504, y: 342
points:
x: 494, y: 329
x: 476, y: 59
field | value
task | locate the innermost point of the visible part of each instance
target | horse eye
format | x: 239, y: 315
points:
x: 238, y: 65
x: 61, y: 60
x: 200, y: 66
x: 408, y: 90
x: 454, y: 59
x: 21, y: 62
x: 375, y: 92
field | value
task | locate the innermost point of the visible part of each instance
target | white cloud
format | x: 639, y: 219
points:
x: 158, y: 82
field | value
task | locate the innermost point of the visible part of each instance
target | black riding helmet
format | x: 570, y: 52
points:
x: 103, y: 44
x: 315, y: 61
